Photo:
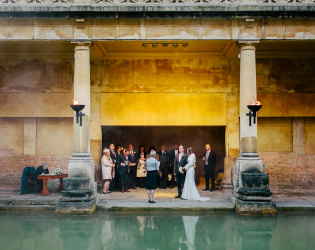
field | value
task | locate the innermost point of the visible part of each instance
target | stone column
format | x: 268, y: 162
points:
x: 250, y: 183
x: 79, y: 195
x: 81, y: 89
x: 81, y: 163
x: 248, y: 94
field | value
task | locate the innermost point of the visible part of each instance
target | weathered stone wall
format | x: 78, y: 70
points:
x: 288, y: 170
x: 285, y: 75
x: 12, y: 165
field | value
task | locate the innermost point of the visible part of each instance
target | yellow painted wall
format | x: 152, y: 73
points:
x: 274, y: 135
x: 310, y: 136
x: 160, y: 109
x: 54, y: 136
x: 36, y: 104
x: 12, y: 134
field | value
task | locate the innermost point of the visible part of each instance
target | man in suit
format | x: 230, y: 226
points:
x: 210, y: 161
x: 173, y: 153
x: 122, y: 159
x: 133, y: 167
x: 181, y: 159
x: 164, y: 165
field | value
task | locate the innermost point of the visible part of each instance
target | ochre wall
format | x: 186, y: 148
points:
x: 12, y: 135
x: 310, y: 136
x: 163, y: 109
x: 274, y: 135
x: 59, y: 139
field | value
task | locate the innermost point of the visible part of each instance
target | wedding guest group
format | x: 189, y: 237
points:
x: 124, y: 169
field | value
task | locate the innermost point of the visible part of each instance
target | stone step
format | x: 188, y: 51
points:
x: 227, y: 186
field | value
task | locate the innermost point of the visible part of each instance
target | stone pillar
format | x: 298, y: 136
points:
x: 81, y: 89
x: 81, y: 163
x: 250, y: 183
x: 248, y: 94
x: 298, y: 129
x: 80, y: 188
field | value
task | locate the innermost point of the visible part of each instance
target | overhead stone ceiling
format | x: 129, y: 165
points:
x: 101, y: 50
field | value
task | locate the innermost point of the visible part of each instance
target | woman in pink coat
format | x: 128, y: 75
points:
x: 108, y: 170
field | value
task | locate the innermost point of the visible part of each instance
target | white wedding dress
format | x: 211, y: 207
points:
x: 190, y: 191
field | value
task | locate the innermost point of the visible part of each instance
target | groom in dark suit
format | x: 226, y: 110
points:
x: 173, y: 153
x: 210, y: 158
x: 181, y: 159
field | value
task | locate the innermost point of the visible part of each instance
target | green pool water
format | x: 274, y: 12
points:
x: 147, y: 231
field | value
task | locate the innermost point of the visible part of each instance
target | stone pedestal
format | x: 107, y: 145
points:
x: 78, y: 197
x: 255, y: 207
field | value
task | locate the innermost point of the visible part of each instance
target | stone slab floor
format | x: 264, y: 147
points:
x: 137, y: 200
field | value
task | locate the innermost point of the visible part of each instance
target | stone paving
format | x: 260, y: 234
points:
x: 137, y: 200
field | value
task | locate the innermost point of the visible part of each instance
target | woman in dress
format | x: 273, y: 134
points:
x: 190, y: 191
x: 108, y: 170
x: 141, y: 168
x: 152, y: 173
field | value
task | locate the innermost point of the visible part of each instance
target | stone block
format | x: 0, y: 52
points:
x: 253, y: 198
x: 81, y: 167
x: 255, y: 179
x: 255, y: 207
x: 77, y: 183
x: 75, y: 207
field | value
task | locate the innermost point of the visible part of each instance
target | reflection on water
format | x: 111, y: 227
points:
x: 121, y: 231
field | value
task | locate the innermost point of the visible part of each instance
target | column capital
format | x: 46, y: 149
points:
x: 248, y: 44
x: 82, y: 44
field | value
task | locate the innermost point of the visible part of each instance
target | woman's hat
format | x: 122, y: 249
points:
x: 106, y: 150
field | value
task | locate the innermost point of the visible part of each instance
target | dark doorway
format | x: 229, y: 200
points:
x: 196, y: 137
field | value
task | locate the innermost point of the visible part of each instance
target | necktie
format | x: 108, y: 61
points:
x: 207, y: 158
x: 131, y: 155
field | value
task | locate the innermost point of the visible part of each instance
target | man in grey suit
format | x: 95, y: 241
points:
x: 181, y: 159
x: 210, y: 159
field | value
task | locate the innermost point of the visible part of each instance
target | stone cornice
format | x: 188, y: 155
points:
x: 85, y: 10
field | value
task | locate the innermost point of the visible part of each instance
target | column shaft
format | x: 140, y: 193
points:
x: 248, y: 94
x: 82, y: 95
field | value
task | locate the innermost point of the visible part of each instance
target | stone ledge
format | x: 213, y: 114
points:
x: 156, y: 11
x: 27, y: 208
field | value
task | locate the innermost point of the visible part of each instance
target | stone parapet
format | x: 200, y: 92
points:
x: 159, y: 8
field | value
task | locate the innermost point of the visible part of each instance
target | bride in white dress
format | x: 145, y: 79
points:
x: 190, y: 191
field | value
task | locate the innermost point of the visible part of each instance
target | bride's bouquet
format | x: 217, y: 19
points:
x: 181, y: 169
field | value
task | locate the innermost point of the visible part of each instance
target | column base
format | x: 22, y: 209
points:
x: 255, y: 207
x: 77, y: 198
x: 249, y: 163
x: 81, y: 165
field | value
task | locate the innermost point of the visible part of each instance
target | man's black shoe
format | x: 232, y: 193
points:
x: 205, y: 190
x: 178, y: 196
x: 212, y: 190
x: 133, y: 188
